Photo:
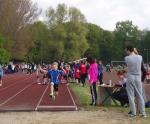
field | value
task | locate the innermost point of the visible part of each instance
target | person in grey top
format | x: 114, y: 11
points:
x: 134, y: 84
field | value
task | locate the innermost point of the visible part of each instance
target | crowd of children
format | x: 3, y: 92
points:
x: 80, y: 72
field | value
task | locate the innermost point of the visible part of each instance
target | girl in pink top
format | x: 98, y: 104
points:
x: 93, y: 77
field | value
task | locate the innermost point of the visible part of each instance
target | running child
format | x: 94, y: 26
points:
x: 37, y: 74
x: 45, y: 75
x: 54, y: 75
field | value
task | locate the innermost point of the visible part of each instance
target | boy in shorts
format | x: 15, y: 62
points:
x: 54, y: 75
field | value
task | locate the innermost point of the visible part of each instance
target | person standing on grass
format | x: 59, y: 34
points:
x: 133, y: 84
x: 77, y: 75
x: 93, y: 77
x: 100, y: 72
x: 1, y: 75
x: 83, y: 73
x: 54, y: 75
x: 143, y: 70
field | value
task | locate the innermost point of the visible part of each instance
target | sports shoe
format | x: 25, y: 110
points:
x: 92, y: 104
x: 0, y: 85
x: 130, y: 112
x: 143, y: 116
x: 132, y: 116
x: 52, y: 96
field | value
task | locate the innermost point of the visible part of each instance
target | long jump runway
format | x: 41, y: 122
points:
x: 20, y: 92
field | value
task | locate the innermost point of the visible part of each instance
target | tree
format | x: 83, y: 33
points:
x: 40, y: 35
x: 4, y: 55
x: 107, y: 53
x: 75, y: 15
x: 15, y: 16
x: 75, y: 43
x: 67, y: 33
x: 144, y: 45
x: 94, y: 38
x: 57, y: 16
x: 125, y: 33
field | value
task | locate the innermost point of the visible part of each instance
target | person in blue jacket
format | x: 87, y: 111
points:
x: 54, y: 75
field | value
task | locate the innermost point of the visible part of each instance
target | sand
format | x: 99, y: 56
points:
x: 70, y: 117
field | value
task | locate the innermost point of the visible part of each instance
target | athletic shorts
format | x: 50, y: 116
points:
x: 55, y: 86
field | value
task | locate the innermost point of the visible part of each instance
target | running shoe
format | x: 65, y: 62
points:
x: 144, y: 116
x: 132, y: 116
x: 52, y: 96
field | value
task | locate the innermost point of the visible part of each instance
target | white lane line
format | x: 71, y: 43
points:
x: 10, y: 98
x: 42, y: 106
x: 18, y: 81
x: 41, y: 98
x: 72, y: 99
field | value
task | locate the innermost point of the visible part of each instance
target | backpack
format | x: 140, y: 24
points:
x: 147, y: 104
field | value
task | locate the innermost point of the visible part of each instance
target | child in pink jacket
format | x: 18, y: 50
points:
x: 93, y: 77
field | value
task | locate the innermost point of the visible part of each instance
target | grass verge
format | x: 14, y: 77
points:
x: 83, y: 93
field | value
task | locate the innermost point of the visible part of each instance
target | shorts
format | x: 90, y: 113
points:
x: 0, y: 77
x: 55, y: 86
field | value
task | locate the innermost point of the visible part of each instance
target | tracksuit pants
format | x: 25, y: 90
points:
x: 93, y: 92
x: 83, y: 77
x: 134, y: 88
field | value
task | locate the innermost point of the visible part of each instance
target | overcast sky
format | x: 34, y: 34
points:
x: 106, y: 13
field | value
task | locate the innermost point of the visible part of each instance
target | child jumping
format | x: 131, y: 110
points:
x: 54, y: 75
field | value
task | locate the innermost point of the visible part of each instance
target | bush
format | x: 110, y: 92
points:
x: 4, y: 56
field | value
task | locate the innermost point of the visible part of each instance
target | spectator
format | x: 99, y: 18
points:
x: 134, y: 85
x: 93, y: 77
x: 83, y: 72
x: 100, y: 72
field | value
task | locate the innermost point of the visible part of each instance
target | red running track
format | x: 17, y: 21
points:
x: 20, y: 92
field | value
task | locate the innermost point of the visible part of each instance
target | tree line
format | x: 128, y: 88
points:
x: 63, y: 34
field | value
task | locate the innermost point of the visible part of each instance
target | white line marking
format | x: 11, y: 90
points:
x: 42, y: 106
x: 72, y: 99
x: 18, y: 81
x: 41, y: 98
x: 10, y: 98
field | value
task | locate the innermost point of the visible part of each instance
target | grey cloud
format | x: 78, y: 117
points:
x: 106, y: 13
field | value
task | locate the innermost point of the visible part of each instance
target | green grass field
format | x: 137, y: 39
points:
x: 83, y: 93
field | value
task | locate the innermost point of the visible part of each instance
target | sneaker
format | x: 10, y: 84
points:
x: 132, y: 116
x: 143, y: 116
x: 91, y: 104
x: 52, y: 96
x: 0, y: 85
x: 39, y: 83
x: 130, y: 113
x: 94, y: 104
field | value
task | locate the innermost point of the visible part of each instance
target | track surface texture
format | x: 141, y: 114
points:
x: 20, y: 92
